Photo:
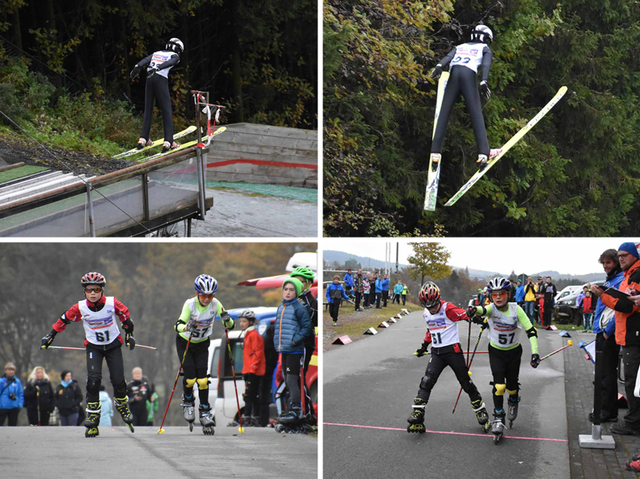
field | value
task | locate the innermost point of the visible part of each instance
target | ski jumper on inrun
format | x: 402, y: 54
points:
x: 505, y: 320
x: 99, y: 315
x: 194, y: 328
x: 158, y: 65
x: 442, y: 332
x: 465, y: 59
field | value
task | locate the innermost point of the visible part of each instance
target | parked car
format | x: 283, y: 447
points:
x: 566, y: 310
x: 567, y: 291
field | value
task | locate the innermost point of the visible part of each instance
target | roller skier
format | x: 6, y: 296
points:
x: 505, y: 320
x: 465, y: 60
x: 292, y: 328
x: 194, y: 327
x: 442, y: 333
x: 157, y: 87
x: 99, y: 315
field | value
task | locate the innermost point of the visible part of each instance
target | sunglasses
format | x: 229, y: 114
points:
x: 622, y: 256
x: 206, y: 295
x: 97, y: 289
x: 498, y: 294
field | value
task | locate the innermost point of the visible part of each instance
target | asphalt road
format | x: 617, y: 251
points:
x: 29, y: 452
x: 369, y: 387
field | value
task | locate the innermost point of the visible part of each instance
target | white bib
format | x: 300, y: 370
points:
x: 444, y: 332
x: 204, y: 320
x: 504, y: 327
x: 100, y: 327
x: 158, y: 59
x: 469, y: 55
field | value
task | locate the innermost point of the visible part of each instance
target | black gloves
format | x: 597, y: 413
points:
x: 191, y: 327
x: 227, y: 320
x: 130, y: 340
x: 152, y: 71
x: 437, y: 71
x: 48, y: 339
x: 535, y: 360
x: 135, y: 73
x: 422, y: 350
x: 484, y: 89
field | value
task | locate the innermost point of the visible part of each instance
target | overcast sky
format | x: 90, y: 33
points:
x: 526, y: 255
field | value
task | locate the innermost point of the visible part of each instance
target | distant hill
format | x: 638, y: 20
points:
x: 370, y: 263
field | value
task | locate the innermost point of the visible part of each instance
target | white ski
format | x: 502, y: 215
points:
x: 507, y: 146
x: 433, y: 174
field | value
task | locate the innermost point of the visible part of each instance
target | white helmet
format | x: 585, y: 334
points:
x: 175, y: 45
x: 482, y: 33
x: 206, y: 284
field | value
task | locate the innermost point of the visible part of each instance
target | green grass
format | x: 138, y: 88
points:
x: 19, y: 172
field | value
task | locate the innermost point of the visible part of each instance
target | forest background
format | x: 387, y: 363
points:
x: 577, y: 173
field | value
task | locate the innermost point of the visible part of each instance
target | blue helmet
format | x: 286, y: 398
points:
x: 497, y: 284
x: 206, y: 284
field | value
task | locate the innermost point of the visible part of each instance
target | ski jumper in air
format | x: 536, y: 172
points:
x: 465, y: 60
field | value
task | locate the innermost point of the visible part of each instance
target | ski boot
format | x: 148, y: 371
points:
x: 416, y: 419
x: 494, y: 152
x: 498, y: 426
x: 93, y: 419
x: 166, y: 146
x: 143, y: 143
x: 290, y: 420
x: 122, y: 405
x: 435, y: 161
x: 512, y: 409
x: 246, y: 421
x: 481, y: 415
x: 188, y: 410
x: 482, y: 161
x: 206, y: 419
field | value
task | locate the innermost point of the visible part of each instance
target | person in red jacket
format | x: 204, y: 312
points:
x: 588, y: 306
x: 253, y: 368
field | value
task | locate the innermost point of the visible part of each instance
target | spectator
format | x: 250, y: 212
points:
x: 549, y: 292
x: 366, y: 291
x: 530, y: 299
x: 307, y: 277
x: 520, y: 293
x: 397, y: 291
x: 539, y: 295
x: 38, y: 397
x: 271, y: 358
x: 334, y: 294
x: 385, y: 289
x: 138, y: 391
x: 11, y: 395
x: 378, y: 290
x: 604, y: 325
x: 152, y: 406
x: 627, y: 317
x: 405, y: 291
x: 581, y: 296
x: 106, y: 403
x: 253, y: 368
x: 587, y: 312
x: 348, y: 283
x: 358, y: 285
x: 68, y: 399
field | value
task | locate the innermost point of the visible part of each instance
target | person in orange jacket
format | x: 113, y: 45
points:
x: 253, y: 368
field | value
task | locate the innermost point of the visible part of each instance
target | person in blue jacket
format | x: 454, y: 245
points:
x: 334, y: 294
x: 378, y: 286
x: 11, y: 395
x: 292, y: 327
x: 397, y: 291
x: 385, y: 289
x: 520, y: 294
x: 604, y: 326
x: 348, y: 283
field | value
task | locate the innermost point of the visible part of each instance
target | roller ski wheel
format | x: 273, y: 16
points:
x: 281, y: 428
x: 416, y: 419
x: 188, y: 411
x: 206, y: 419
x: 416, y: 428
x: 497, y: 427
x: 91, y: 432
x: 123, y: 408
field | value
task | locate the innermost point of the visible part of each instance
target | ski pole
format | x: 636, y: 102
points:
x: 235, y: 385
x: 569, y: 343
x: 468, y: 342
x: 468, y: 369
x: 161, y: 431
x: 84, y: 349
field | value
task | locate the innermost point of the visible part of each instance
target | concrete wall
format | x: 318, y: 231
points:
x: 264, y: 154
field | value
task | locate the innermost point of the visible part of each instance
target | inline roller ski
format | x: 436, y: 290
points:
x: 206, y: 419
x: 481, y: 415
x: 498, y: 426
x: 122, y: 405
x: 293, y: 422
x: 416, y: 419
x: 93, y: 419
x: 512, y: 409
x: 188, y: 411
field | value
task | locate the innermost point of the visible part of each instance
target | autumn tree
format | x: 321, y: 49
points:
x: 429, y: 260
